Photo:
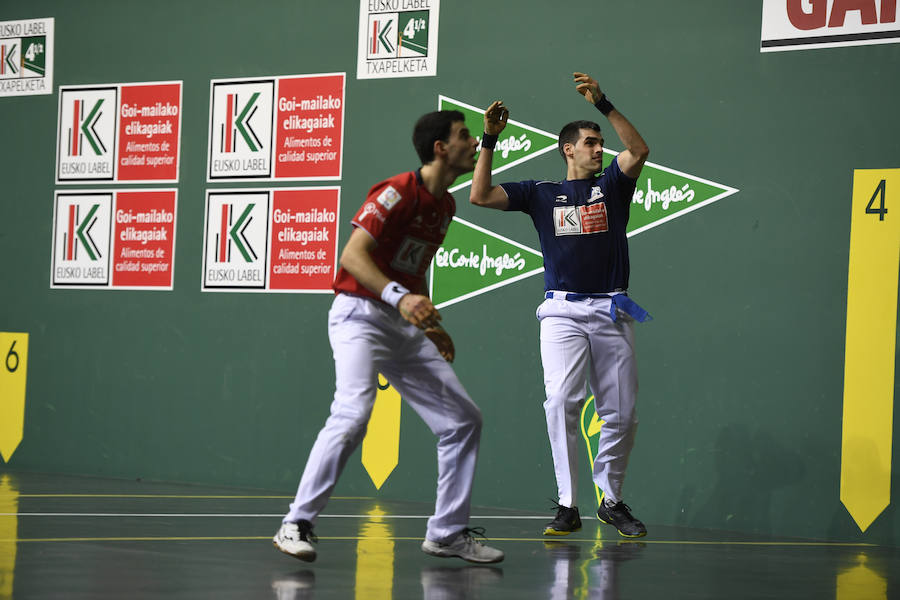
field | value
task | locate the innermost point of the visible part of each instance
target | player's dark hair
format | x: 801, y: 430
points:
x: 432, y: 127
x: 572, y: 131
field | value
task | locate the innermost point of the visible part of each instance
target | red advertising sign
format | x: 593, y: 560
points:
x: 149, y: 115
x: 309, y: 126
x: 143, y: 245
x: 304, y: 239
x: 119, y: 132
x: 805, y: 24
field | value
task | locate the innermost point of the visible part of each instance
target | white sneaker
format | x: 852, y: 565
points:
x: 465, y: 547
x: 295, y: 538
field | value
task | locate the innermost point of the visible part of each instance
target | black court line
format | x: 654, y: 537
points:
x: 830, y: 39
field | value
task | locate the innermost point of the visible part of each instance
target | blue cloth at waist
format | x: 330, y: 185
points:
x: 619, y: 301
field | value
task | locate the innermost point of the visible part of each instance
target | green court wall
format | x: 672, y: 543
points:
x: 741, y: 369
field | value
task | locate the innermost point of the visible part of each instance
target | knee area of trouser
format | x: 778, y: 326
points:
x: 473, y: 418
x: 458, y: 418
x: 557, y: 402
x: 623, y: 424
x: 350, y: 421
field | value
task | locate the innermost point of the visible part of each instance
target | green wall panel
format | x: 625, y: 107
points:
x: 741, y: 370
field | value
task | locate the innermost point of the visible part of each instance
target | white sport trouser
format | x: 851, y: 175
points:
x: 579, y: 336
x: 368, y: 337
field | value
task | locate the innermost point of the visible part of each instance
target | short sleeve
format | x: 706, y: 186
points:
x: 384, y: 201
x: 519, y: 194
x: 620, y: 181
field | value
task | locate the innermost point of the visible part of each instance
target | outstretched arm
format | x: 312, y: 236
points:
x: 631, y: 160
x: 482, y: 192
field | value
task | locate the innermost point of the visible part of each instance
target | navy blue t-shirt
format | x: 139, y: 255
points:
x: 581, y: 226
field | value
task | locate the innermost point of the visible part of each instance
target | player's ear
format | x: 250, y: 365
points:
x: 440, y: 148
x: 569, y: 149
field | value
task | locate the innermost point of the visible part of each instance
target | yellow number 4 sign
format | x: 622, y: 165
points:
x: 871, y: 344
x: 14, y: 354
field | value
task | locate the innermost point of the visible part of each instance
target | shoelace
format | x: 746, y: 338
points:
x: 559, y: 507
x: 624, y: 509
x: 307, y: 535
x: 470, y: 532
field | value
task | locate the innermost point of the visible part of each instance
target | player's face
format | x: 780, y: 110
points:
x: 461, y: 148
x: 589, y: 151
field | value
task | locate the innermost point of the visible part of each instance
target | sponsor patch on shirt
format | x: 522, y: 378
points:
x: 388, y: 198
x: 369, y: 208
x: 413, y: 256
x: 578, y: 220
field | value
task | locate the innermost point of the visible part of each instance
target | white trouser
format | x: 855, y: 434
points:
x: 579, y: 336
x: 368, y: 337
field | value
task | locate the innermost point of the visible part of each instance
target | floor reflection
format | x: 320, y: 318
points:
x: 65, y: 537
x: 589, y: 572
x: 862, y: 578
x: 457, y: 583
x: 375, y: 557
x: 9, y: 533
x: 295, y: 586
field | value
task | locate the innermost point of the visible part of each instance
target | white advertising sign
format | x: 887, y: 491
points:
x: 808, y: 24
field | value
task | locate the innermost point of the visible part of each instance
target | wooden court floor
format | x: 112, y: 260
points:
x: 74, y: 537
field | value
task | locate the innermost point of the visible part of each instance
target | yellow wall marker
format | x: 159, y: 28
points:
x: 871, y: 344
x: 13, y: 368
x: 381, y: 446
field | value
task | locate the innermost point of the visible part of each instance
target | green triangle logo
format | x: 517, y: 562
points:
x: 473, y: 260
x: 517, y: 143
x: 662, y: 194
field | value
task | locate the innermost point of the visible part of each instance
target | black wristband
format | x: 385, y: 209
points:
x: 489, y: 141
x: 604, y: 105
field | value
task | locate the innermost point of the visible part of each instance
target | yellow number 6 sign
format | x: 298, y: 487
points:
x: 13, y: 366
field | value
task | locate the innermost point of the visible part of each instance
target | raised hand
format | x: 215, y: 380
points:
x: 495, y: 118
x: 587, y: 86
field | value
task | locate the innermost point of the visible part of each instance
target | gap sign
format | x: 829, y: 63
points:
x: 802, y: 24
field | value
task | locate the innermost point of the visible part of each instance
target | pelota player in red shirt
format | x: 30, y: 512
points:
x: 382, y: 321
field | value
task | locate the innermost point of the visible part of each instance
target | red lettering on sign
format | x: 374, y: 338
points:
x: 593, y: 218
x: 818, y: 17
x: 842, y: 7
x: 804, y: 20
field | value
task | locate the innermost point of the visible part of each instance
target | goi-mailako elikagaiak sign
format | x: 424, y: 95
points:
x: 275, y: 240
x: 120, y: 132
x: 276, y: 128
x: 114, y: 239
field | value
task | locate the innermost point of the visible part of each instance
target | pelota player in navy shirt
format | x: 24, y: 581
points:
x: 566, y: 214
x: 586, y: 317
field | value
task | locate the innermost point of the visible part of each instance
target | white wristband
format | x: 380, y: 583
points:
x: 392, y: 293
